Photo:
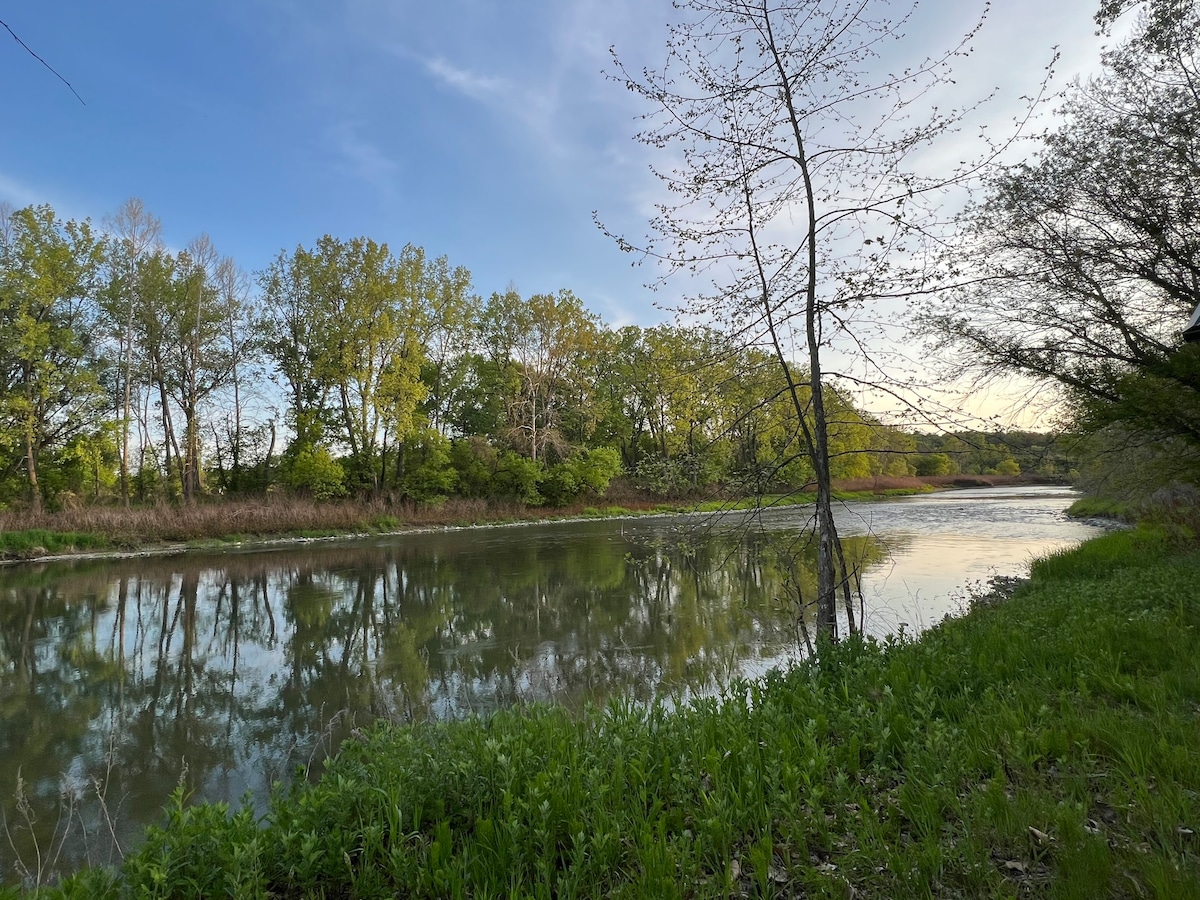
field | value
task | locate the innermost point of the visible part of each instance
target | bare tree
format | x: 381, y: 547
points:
x: 136, y: 233
x: 797, y: 133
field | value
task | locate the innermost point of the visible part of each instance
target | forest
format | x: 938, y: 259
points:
x: 131, y: 374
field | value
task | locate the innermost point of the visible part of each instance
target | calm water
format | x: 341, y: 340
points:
x: 230, y: 670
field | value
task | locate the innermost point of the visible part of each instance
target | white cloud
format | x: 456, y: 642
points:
x: 475, y: 86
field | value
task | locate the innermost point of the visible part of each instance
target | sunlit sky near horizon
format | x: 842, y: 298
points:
x: 481, y: 130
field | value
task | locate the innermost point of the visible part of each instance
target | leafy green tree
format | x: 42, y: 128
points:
x: 296, y: 337
x: 429, y: 472
x: 516, y: 477
x: 449, y: 335
x: 344, y: 324
x: 50, y: 367
x: 935, y: 464
x: 312, y: 471
x: 586, y: 471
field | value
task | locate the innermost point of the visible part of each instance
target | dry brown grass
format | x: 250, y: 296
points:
x: 260, y: 518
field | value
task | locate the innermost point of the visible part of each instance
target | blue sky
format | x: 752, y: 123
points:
x: 478, y: 129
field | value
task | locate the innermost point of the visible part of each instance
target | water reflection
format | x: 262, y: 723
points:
x: 229, y: 670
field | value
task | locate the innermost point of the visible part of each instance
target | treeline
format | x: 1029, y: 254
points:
x: 133, y: 373
x: 998, y: 453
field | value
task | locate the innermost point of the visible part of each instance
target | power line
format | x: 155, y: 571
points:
x: 42, y: 61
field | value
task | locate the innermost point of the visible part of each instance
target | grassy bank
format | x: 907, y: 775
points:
x: 1102, y: 508
x: 1045, y: 746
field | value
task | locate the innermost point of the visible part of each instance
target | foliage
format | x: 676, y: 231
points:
x: 32, y: 543
x: 428, y: 472
x: 935, y: 464
x: 516, y: 477
x: 313, y: 472
x: 152, y: 374
x: 1095, y: 507
x: 586, y: 471
x: 50, y: 366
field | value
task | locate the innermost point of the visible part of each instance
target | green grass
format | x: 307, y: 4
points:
x: 1102, y: 508
x: 1048, y: 746
x: 34, y: 542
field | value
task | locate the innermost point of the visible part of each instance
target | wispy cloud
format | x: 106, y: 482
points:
x: 363, y: 158
x: 472, y: 84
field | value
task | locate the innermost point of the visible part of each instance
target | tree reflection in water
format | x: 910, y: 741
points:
x: 226, y: 672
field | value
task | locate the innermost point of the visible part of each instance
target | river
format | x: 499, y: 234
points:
x: 120, y: 679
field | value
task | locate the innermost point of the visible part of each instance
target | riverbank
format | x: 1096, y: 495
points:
x: 110, y: 531
x: 1042, y: 746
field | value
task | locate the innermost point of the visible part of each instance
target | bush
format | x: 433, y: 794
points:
x: 935, y: 464
x: 430, y: 473
x: 1008, y: 467
x: 312, y: 471
x: 474, y: 460
x: 559, y: 485
x: 586, y: 470
x: 595, y: 469
x: 516, y: 478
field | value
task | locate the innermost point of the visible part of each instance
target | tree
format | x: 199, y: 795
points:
x: 542, y: 341
x: 1079, y: 268
x: 295, y: 329
x: 232, y: 287
x: 156, y: 304
x: 345, y: 324
x: 135, y: 234
x: 449, y: 335
x: 50, y: 388
x: 795, y: 186
x: 201, y: 360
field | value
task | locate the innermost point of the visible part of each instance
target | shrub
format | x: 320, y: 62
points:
x: 312, y: 471
x: 516, y: 478
x: 430, y: 473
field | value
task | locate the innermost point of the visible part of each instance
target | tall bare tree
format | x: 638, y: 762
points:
x: 136, y: 233
x: 795, y: 131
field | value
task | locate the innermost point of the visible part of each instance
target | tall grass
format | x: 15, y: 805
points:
x: 137, y: 526
x: 1047, y: 746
